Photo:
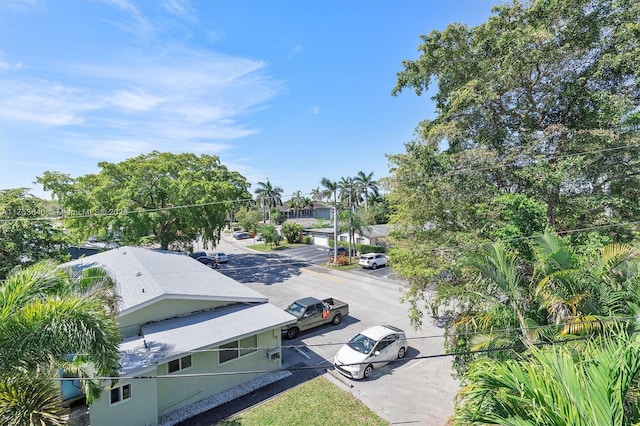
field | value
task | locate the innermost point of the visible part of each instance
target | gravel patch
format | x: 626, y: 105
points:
x: 206, y: 404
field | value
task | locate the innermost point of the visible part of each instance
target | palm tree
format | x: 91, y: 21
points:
x: 347, y: 192
x: 295, y: 202
x: 331, y: 189
x: 505, y: 285
x: 316, y: 194
x: 269, y: 196
x: 365, y: 184
x: 576, y: 292
x: 585, y: 385
x: 51, y: 319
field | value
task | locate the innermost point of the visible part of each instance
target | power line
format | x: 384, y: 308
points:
x: 432, y: 336
x: 119, y: 212
x: 323, y: 365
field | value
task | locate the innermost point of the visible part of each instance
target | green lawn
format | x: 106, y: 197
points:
x: 316, y: 402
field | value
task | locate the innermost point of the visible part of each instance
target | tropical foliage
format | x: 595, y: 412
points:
x: 53, y: 319
x: 536, y: 126
x: 503, y: 301
x: 28, y: 232
x: 268, y: 197
x: 171, y: 198
x: 590, y: 384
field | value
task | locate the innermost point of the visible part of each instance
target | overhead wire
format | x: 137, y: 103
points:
x: 117, y: 212
x: 324, y: 365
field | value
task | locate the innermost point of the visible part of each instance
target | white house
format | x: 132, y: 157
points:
x: 190, y: 334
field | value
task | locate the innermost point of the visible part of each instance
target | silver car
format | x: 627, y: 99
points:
x: 373, y: 348
x: 220, y: 257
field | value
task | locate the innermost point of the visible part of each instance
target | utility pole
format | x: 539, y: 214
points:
x: 350, y: 211
x: 335, y: 226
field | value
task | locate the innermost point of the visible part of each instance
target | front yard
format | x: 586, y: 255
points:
x: 316, y: 402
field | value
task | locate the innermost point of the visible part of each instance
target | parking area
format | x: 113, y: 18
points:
x: 418, y: 389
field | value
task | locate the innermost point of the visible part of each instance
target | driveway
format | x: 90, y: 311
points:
x: 416, y: 390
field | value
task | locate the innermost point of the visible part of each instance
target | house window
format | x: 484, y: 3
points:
x: 120, y: 393
x: 179, y: 364
x: 237, y: 348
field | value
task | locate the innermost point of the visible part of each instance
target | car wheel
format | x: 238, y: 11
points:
x: 402, y: 352
x: 374, y: 266
x: 292, y: 333
x: 337, y: 319
x: 367, y: 371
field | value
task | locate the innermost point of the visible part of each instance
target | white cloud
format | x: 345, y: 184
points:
x: 43, y: 103
x: 295, y: 50
x: 139, y: 25
x: 315, y: 110
x: 181, y: 8
x: 6, y: 66
x: 134, y: 101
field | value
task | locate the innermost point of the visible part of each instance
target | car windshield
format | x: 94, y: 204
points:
x: 296, y: 309
x: 362, y: 344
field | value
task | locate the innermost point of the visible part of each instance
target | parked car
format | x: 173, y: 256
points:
x: 342, y: 251
x: 209, y: 261
x: 241, y: 235
x: 312, y: 312
x: 220, y: 257
x: 372, y: 260
x: 197, y: 254
x: 372, y: 348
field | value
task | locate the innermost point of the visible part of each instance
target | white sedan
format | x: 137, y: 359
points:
x: 373, y: 348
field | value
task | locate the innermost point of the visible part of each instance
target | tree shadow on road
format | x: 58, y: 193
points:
x: 267, y: 269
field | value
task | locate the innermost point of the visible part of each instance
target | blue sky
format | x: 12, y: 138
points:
x: 289, y: 91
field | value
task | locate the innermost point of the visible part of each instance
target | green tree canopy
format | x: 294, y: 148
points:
x: 27, y: 231
x: 248, y: 218
x: 541, y: 100
x: 172, y: 198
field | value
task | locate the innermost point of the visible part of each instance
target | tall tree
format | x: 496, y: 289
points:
x: 545, y: 96
x: 541, y: 100
x: 172, y: 198
x: 52, y: 319
x: 296, y: 202
x: 268, y: 196
x: 347, y: 192
x: 329, y: 191
x: 365, y: 186
x: 316, y: 194
x: 28, y: 231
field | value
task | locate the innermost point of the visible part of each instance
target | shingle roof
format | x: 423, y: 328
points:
x: 145, y: 276
x: 175, y: 337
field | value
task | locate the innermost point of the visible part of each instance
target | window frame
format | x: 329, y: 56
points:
x: 237, y: 349
x: 181, y: 364
x: 121, y: 394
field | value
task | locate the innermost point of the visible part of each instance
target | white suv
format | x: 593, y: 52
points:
x: 372, y: 260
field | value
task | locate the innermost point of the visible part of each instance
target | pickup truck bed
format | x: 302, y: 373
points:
x: 312, y: 312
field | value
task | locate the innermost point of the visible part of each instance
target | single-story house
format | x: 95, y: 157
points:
x: 372, y: 235
x: 189, y: 334
x: 316, y: 210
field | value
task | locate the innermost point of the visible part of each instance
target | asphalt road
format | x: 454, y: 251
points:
x: 415, y: 390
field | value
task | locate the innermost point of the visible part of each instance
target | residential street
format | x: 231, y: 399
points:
x: 409, y: 391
